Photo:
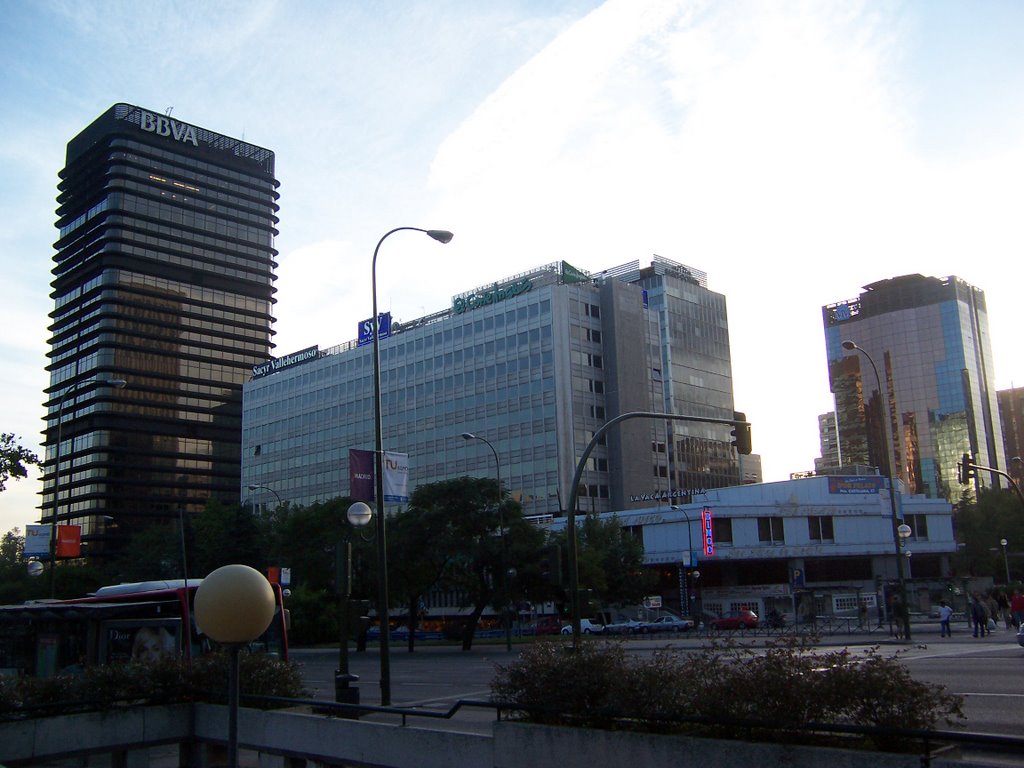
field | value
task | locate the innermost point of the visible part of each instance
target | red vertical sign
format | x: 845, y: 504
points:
x: 706, y: 529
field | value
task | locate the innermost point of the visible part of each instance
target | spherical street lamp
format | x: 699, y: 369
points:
x: 359, y: 515
x: 234, y: 605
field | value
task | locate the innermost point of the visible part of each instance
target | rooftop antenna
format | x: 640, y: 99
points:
x: 168, y: 111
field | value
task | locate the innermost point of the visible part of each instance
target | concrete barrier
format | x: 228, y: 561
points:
x: 283, y: 738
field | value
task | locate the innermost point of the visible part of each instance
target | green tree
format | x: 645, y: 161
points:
x: 475, y: 553
x: 14, y: 578
x: 421, y: 548
x: 223, y: 534
x: 14, y: 459
x: 611, y: 561
x: 997, y: 514
x: 153, y: 553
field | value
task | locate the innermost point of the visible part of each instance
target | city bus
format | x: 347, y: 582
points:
x: 141, y: 622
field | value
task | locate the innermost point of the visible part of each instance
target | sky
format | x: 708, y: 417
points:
x: 793, y: 151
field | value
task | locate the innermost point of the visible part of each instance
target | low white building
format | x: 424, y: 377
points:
x: 821, y: 545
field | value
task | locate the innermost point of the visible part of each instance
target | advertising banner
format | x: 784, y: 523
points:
x: 144, y: 641
x: 69, y: 541
x: 366, y: 329
x: 396, y: 477
x: 37, y: 541
x: 851, y: 485
x: 360, y: 474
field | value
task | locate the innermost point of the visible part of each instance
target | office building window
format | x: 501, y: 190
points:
x: 918, y: 526
x: 769, y: 530
x: 820, y: 528
x: 721, y: 529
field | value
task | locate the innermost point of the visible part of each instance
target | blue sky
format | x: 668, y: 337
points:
x: 793, y: 151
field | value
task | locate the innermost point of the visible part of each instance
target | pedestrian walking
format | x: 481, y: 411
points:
x: 1004, y: 608
x: 1017, y: 607
x: 979, y: 615
x: 945, y: 614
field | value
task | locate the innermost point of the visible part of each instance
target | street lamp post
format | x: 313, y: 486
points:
x: 699, y: 618
x: 234, y: 605
x: 1006, y: 560
x: 441, y: 236
x: 266, y: 488
x: 506, y: 601
x: 850, y: 346
x: 73, y: 389
x: 689, y: 553
x: 359, y: 515
x: 570, y: 512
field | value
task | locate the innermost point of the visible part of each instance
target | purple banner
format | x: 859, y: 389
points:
x: 360, y: 474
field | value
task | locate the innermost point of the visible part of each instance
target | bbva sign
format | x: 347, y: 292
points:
x: 165, y: 126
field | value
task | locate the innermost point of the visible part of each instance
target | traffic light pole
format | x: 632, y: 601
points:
x: 741, y: 435
x: 968, y: 467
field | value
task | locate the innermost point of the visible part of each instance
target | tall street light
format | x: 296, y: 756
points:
x: 851, y: 346
x: 442, y: 236
x: 689, y: 557
x: 1006, y: 560
x: 266, y: 488
x: 72, y: 389
x: 501, y: 535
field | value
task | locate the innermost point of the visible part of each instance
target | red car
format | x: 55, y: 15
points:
x: 547, y: 625
x: 735, y: 620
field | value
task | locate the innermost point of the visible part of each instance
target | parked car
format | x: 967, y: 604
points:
x: 545, y: 625
x: 667, y: 623
x: 623, y: 625
x: 587, y: 627
x: 735, y: 620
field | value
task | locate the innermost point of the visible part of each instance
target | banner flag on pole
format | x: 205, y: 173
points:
x: 360, y: 474
x: 69, y: 541
x: 37, y: 541
x: 396, y: 477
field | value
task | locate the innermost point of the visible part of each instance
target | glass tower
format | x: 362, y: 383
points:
x: 928, y: 338
x: 163, y: 278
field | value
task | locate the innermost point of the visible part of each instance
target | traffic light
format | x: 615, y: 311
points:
x: 741, y: 433
x: 966, y: 469
x: 551, y: 564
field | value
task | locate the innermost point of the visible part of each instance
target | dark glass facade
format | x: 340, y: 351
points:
x: 163, y: 277
x: 929, y: 341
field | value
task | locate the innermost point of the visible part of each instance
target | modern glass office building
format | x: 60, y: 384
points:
x: 163, y: 278
x: 535, y: 364
x: 929, y: 342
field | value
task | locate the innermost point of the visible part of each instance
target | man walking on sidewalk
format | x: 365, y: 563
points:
x: 945, y: 614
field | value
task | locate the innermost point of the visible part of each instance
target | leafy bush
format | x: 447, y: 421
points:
x: 165, y: 682
x: 784, y: 685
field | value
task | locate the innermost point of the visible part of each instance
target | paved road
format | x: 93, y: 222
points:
x: 988, y: 672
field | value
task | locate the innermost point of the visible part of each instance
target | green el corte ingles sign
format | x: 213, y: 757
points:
x: 572, y: 275
x: 466, y: 303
